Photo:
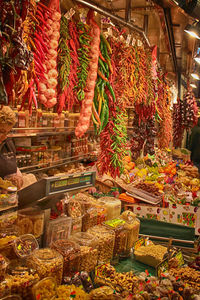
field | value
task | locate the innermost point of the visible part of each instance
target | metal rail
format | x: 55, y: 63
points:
x: 118, y: 19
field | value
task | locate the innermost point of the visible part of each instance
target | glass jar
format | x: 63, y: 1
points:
x: 21, y: 279
x: 31, y: 221
x: 84, y: 239
x: 113, y: 207
x: 45, y: 289
x: 12, y: 297
x: 89, y: 219
x: 71, y: 255
x: 7, y: 237
x: 117, y: 225
x: 132, y: 225
x: 25, y: 245
x: 105, y: 242
x: 3, y: 267
x: 47, y: 263
x: 88, y: 258
x: 76, y: 225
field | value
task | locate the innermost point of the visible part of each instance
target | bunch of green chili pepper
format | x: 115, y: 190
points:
x: 64, y: 59
x: 100, y: 113
x: 84, y: 58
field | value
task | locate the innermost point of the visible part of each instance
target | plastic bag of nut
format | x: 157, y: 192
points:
x: 70, y: 252
x: 105, y: 242
x: 47, y: 263
x: 73, y: 208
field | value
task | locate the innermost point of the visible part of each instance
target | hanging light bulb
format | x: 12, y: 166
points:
x: 193, y: 30
x: 195, y: 76
x: 193, y: 85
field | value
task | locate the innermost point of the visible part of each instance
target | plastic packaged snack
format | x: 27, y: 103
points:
x: 105, y: 242
x: 45, y: 289
x: 47, y: 263
x: 58, y: 229
x: 86, y: 281
x: 25, y: 245
x: 70, y: 252
x: 117, y: 225
x: 113, y: 207
x: 102, y: 293
x: 31, y: 221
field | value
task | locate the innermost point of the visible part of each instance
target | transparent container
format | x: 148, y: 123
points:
x: 21, y: 279
x: 4, y: 289
x: 47, y: 263
x: 8, y: 200
x: 25, y: 245
x: 12, y: 297
x: 58, y: 229
x: 7, y: 237
x: 45, y: 289
x: 117, y: 225
x: 71, y: 255
x: 132, y: 225
x: 31, y: 221
x: 76, y: 225
x: 105, y: 242
x: 113, y: 207
x: 84, y: 239
x: 3, y: 267
x: 89, y: 219
x: 88, y: 258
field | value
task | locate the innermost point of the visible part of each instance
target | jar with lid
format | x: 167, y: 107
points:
x: 45, y: 289
x: 132, y: 225
x: 31, y: 221
x: 76, y: 225
x: 3, y: 267
x: 113, y: 207
x: 44, y: 119
x: 70, y: 252
x: 39, y: 118
x: 89, y: 252
x: 25, y: 245
x: 21, y: 279
x: 47, y: 263
x: 7, y: 237
x: 105, y: 242
x: 89, y: 218
x: 12, y: 297
x: 117, y: 225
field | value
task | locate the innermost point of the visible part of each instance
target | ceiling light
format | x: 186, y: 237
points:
x: 195, y: 76
x: 193, y: 85
x: 193, y: 30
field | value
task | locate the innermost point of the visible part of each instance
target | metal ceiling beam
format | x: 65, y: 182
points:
x: 105, y: 12
x: 168, y: 22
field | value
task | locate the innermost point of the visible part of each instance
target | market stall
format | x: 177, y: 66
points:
x: 108, y: 201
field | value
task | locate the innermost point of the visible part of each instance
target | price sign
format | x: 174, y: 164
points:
x: 60, y: 184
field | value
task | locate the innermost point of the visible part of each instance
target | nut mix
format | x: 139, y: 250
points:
x: 89, y: 219
x: 188, y: 275
x: 102, y: 293
x: 105, y: 242
x: 70, y: 252
x: 132, y: 226
x: 73, y: 208
x: 3, y: 266
x: 47, y: 263
x: 64, y: 292
x: 151, y: 254
x: 88, y: 258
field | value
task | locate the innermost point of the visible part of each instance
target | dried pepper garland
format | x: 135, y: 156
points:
x: 165, y: 124
x: 84, y: 58
x: 113, y: 138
